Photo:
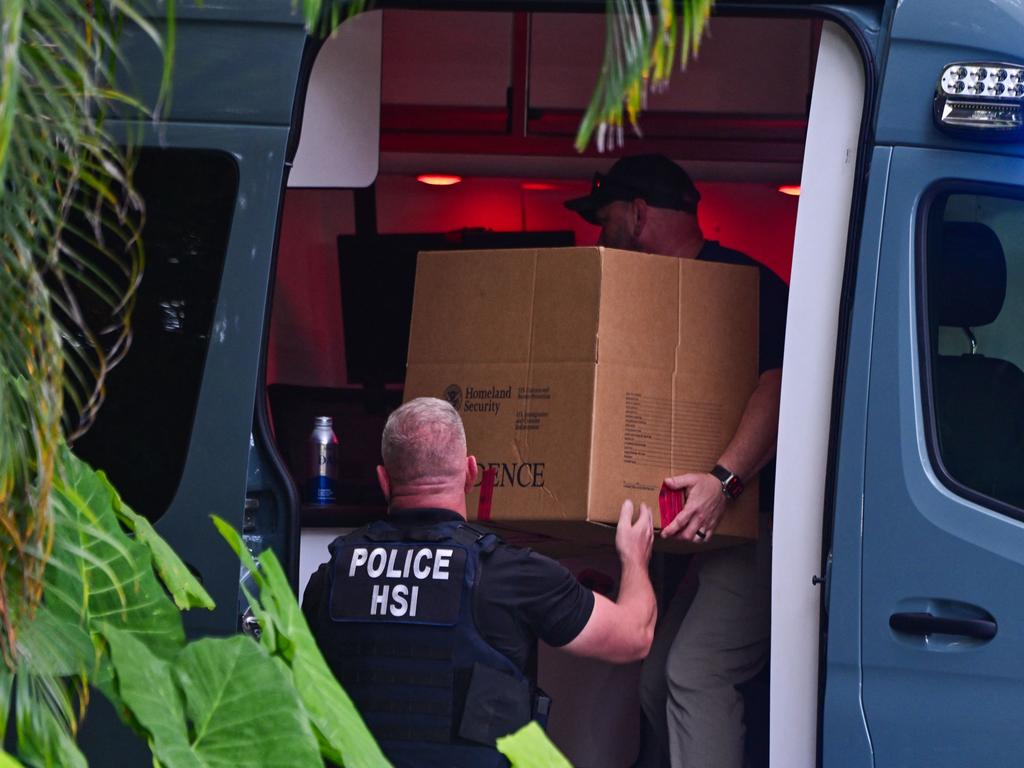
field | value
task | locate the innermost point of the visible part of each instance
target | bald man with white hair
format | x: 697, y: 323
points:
x: 430, y: 621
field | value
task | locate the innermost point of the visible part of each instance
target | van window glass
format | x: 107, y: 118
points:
x: 974, y: 272
x: 141, y: 434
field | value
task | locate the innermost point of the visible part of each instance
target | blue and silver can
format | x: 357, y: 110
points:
x: 322, y: 486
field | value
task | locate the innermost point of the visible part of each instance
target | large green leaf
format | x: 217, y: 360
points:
x: 243, y: 706
x: 343, y: 736
x: 183, y: 586
x: 50, y: 645
x: 529, y: 747
x: 97, y: 574
x: 223, y: 702
x: 6, y: 761
x: 144, y: 684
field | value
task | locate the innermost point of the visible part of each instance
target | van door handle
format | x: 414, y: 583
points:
x: 926, y: 624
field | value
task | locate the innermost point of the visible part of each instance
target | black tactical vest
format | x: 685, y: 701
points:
x: 397, y: 629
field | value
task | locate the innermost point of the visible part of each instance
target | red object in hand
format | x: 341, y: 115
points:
x: 670, y: 502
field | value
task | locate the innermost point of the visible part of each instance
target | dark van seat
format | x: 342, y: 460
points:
x: 359, y: 415
x: 979, y: 400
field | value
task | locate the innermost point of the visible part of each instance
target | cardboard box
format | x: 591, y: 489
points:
x: 585, y: 376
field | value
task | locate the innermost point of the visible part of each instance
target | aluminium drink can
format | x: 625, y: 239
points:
x: 322, y: 485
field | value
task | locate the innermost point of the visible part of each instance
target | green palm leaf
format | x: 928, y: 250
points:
x: 639, y: 52
x: 70, y: 260
x: 45, y: 732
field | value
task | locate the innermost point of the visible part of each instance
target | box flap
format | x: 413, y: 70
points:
x: 713, y: 311
x: 639, y: 309
x: 484, y: 306
x: 566, y: 305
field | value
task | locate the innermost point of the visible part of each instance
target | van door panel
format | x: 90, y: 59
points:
x: 236, y: 78
x: 944, y: 700
x: 224, y: 72
x: 236, y: 81
x: 845, y: 738
x: 936, y: 696
x: 898, y: 691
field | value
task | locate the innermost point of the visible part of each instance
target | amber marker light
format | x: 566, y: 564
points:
x: 793, y: 190
x: 438, y: 179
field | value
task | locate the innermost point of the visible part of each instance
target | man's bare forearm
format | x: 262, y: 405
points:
x: 754, y: 443
x: 636, y: 598
x: 622, y: 631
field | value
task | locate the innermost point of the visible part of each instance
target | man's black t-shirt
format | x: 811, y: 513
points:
x: 522, y: 596
x: 773, y: 298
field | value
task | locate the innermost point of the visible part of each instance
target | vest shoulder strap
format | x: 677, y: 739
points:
x: 485, y: 541
x: 466, y: 533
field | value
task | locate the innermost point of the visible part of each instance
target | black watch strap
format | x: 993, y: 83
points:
x: 732, y: 485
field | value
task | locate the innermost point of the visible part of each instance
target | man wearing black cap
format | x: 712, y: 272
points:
x: 704, y: 649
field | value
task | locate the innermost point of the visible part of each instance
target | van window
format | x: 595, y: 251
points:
x: 152, y: 394
x: 974, y: 289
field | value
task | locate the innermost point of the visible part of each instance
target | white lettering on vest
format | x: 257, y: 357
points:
x: 376, y: 565
x: 379, y: 599
x: 399, y: 598
x: 408, y: 563
x: 393, y: 573
x: 416, y: 570
x: 358, y: 558
x: 441, y: 562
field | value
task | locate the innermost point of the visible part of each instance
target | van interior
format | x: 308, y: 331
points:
x: 428, y: 130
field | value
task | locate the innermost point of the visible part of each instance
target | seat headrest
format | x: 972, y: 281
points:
x: 971, y: 275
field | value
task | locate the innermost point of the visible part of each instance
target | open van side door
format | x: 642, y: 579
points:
x: 174, y: 433
x: 925, y: 615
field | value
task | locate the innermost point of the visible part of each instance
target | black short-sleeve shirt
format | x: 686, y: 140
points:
x: 521, y: 597
x: 774, y: 296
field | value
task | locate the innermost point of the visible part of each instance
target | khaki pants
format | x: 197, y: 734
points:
x: 703, y: 649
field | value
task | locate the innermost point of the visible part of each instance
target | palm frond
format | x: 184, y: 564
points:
x: 323, y: 16
x: 640, y: 48
x: 70, y: 258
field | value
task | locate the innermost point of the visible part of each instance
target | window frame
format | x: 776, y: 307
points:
x: 934, y: 193
x: 233, y: 186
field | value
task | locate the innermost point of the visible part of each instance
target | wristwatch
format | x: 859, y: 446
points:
x: 732, y: 485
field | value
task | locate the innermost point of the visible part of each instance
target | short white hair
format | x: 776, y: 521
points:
x: 423, y: 439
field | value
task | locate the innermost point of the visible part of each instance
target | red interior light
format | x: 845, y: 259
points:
x: 438, y: 179
x: 538, y: 186
x: 792, y: 190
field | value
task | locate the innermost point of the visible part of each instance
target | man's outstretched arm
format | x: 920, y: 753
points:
x: 621, y: 631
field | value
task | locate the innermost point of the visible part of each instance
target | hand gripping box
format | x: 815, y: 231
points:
x: 585, y: 376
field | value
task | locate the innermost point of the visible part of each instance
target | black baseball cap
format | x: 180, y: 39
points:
x: 655, y: 178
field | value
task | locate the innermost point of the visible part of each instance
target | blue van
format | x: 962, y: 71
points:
x: 898, y: 571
